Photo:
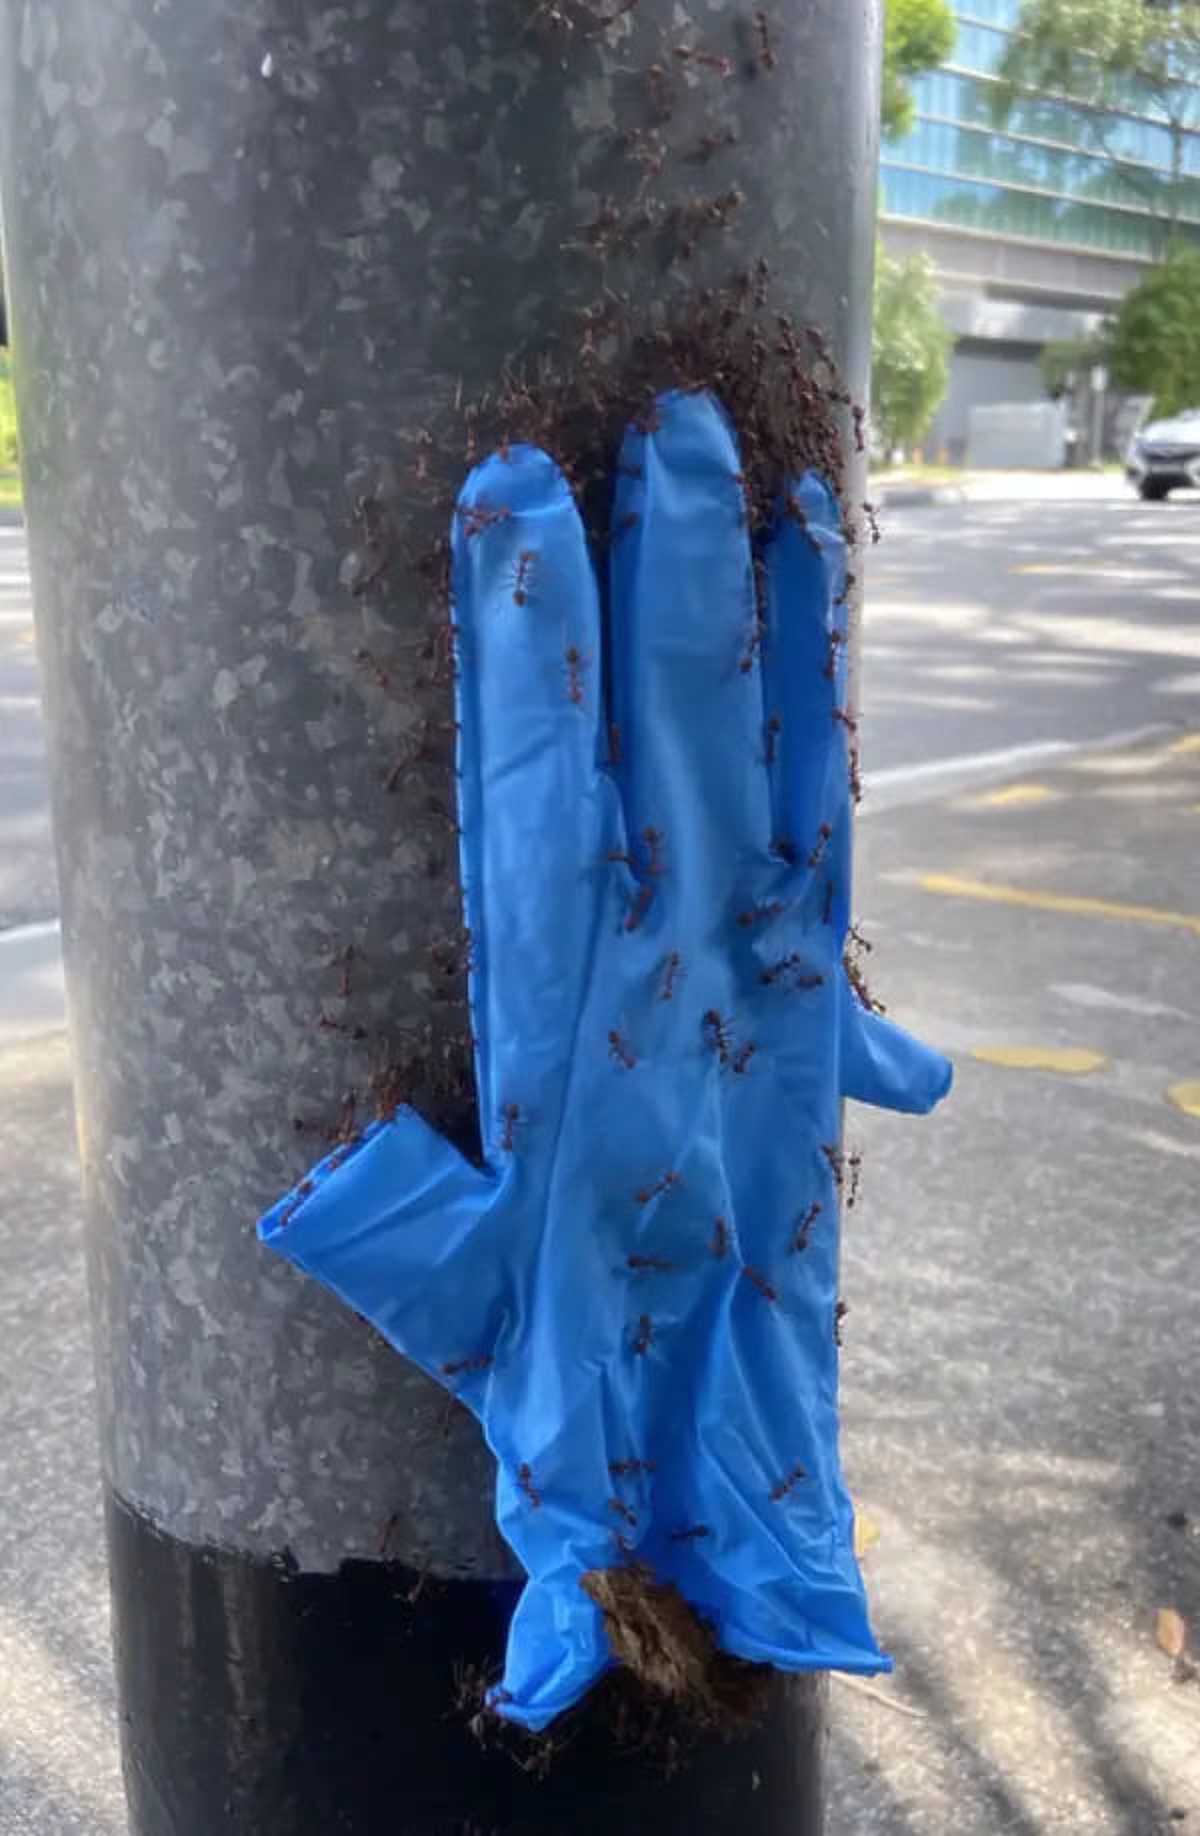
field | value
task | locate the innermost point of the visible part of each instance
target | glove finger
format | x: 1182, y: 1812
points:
x: 685, y: 665
x: 804, y: 684
x: 538, y: 817
x: 557, y: 1647
x: 884, y: 1065
x: 390, y: 1225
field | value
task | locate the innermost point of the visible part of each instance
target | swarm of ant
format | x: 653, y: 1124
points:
x: 778, y: 383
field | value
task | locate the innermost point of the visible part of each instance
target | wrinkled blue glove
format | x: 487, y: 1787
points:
x: 636, y: 1294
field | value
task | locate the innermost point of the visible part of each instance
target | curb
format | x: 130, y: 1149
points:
x: 911, y: 497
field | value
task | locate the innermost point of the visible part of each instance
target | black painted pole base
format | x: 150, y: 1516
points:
x: 259, y: 1701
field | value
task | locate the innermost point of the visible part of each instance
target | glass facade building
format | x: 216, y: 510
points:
x: 1034, y: 181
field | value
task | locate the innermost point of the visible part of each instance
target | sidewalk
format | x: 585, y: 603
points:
x: 908, y: 489
x: 1021, y: 1425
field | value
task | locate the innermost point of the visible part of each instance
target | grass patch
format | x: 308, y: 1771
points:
x: 10, y: 477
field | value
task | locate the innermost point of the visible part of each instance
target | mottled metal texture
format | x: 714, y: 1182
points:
x: 251, y: 244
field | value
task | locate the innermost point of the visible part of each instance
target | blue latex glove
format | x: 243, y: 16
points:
x: 636, y: 1294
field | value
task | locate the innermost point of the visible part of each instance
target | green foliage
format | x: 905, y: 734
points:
x: 1070, y: 357
x: 918, y: 35
x: 1106, y: 55
x: 1155, y: 347
x: 8, y: 415
x: 911, y: 351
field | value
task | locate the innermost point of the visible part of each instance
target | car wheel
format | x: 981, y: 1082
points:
x: 1152, y: 490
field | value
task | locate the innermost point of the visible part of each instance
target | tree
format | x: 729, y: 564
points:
x: 1100, y: 56
x: 918, y: 35
x: 911, y: 350
x: 1155, y: 346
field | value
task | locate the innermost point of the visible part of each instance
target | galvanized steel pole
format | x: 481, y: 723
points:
x: 252, y: 245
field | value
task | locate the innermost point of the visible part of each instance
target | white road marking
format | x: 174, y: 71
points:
x: 899, y: 784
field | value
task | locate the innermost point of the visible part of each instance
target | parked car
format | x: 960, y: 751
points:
x: 1164, y: 455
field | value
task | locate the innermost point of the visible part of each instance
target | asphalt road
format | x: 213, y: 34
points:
x: 999, y: 624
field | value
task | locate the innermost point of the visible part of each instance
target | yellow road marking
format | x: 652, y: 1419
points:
x: 1185, y: 1097
x: 1072, y: 1061
x: 1016, y: 796
x: 1080, y: 907
x: 1189, y: 743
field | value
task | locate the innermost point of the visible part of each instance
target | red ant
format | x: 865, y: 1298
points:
x: 673, y: 970
x: 478, y: 517
x: 424, y: 441
x: 827, y: 906
x: 718, y: 1035
x: 854, y: 1168
x: 381, y: 674
x: 694, y: 1534
x: 774, y: 729
x: 525, y: 562
x: 790, y: 969
x: 459, y: 1365
x: 652, y: 1265
x: 804, y: 1230
x: 780, y: 1490
x: 720, y: 1239
x: 627, y: 522
x: 712, y: 60
x: 660, y: 1185
x: 622, y: 1469
x: 576, y: 663
x: 510, y: 1115
x: 741, y: 1063
x: 653, y: 838
x: 836, y: 1164
x: 839, y: 1315
x: 759, y: 1281
x: 785, y: 850
x: 640, y: 907
x: 614, y: 743
x: 619, y: 1049
x: 645, y: 1335
x: 715, y: 142
x: 823, y: 836
x: 525, y: 1481
x: 760, y: 914
x: 766, y: 50
x: 623, y: 1511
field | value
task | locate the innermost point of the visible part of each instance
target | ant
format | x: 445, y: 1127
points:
x: 712, y: 60
x: 827, y: 905
x: 645, y: 1336
x: 766, y: 50
x: 694, y: 1534
x: 619, y: 1048
x: 716, y: 142
x: 759, y: 1281
x: 459, y: 1365
x: 790, y: 969
x: 576, y: 663
x: 623, y: 1511
x: 804, y: 1231
x: 525, y: 1481
x: 524, y: 567
x: 836, y: 1163
x: 785, y: 850
x: 510, y: 1115
x: 653, y: 838
x: 839, y: 1315
x: 614, y: 743
x: 823, y: 837
x: 720, y: 1239
x: 654, y: 1265
x: 791, y: 1480
x: 640, y: 907
x: 717, y: 1030
x: 621, y: 1469
x: 741, y: 1063
x: 774, y: 729
x: 660, y: 1185
x: 674, y: 969
x: 760, y: 914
